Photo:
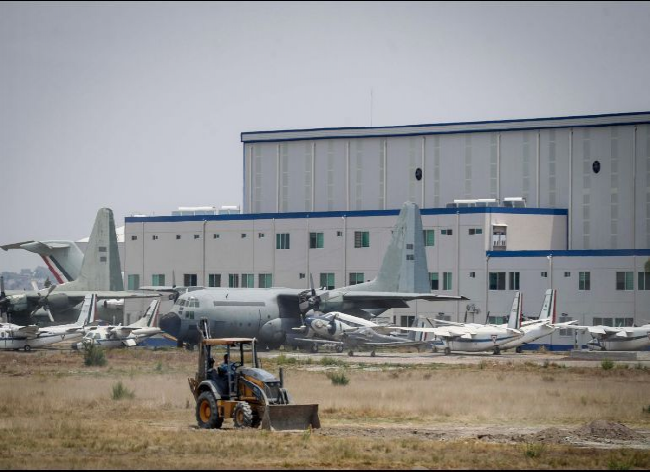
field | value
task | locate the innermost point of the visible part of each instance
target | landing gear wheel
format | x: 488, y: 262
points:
x: 372, y: 353
x: 243, y: 415
x: 314, y: 348
x: 27, y: 348
x: 207, y: 414
x: 447, y: 351
x: 350, y: 353
x: 339, y: 348
x: 518, y: 349
x: 497, y: 351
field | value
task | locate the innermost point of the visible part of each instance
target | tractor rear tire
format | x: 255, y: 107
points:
x: 243, y: 415
x: 207, y: 414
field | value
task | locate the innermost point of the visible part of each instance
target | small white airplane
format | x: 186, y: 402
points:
x: 543, y: 326
x: 26, y: 337
x: 473, y: 337
x: 610, y: 338
x: 118, y: 336
x: 347, y: 332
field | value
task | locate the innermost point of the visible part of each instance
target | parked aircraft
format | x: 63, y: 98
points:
x: 474, y: 337
x: 100, y: 273
x: 26, y: 337
x: 118, y: 336
x: 269, y: 314
x: 346, y: 332
x: 543, y: 326
x: 610, y: 338
x: 63, y: 258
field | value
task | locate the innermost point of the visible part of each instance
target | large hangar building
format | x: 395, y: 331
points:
x: 506, y: 205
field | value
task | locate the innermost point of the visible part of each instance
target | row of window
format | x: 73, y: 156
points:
x: 624, y: 280
x: 317, y: 240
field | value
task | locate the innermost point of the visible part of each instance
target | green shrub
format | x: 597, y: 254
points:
x: 120, y: 392
x: 533, y: 450
x: 94, y: 355
x: 338, y: 378
x: 606, y: 364
x: 330, y: 361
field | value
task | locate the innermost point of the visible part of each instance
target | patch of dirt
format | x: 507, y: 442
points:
x: 601, y: 429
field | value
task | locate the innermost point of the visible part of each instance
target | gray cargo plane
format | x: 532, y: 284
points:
x: 269, y: 314
x: 99, y: 273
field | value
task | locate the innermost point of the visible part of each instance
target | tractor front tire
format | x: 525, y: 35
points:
x: 207, y: 414
x: 243, y: 415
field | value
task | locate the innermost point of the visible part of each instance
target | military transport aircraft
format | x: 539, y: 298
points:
x: 100, y: 274
x: 269, y: 314
x: 617, y: 338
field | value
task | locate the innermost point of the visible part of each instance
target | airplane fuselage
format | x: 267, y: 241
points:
x: 8, y: 341
x: 531, y: 333
x: 613, y: 343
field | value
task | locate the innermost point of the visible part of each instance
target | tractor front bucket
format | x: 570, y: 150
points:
x: 290, y: 417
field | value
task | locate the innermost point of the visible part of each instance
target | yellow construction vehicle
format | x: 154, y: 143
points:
x: 249, y: 395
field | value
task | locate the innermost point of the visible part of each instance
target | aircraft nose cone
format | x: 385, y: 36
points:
x: 170, y: 323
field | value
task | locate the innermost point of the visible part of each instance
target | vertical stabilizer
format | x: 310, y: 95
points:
x: 63, y: 258
x: 548, y: 307
x: 514, y: 321
x: 404, y: 267
x: 100, y: 269
x: 149, y: 318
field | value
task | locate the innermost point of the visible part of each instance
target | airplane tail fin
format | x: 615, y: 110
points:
x: 63, y: 258
x: 88, y: 310
x: 514, y: 321
x: 548, y: 311
x: 418, y: 336
x: 100, y: 269
x: 404, y: 267
x: 150, y: 317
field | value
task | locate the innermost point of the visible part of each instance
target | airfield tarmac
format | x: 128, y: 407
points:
x: 400, y: 410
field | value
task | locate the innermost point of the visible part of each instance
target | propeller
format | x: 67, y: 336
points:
x: 42, y: 303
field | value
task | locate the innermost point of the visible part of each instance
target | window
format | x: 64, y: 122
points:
x: 446, y: 232
x: 406, y: 321
x: 584, y: 281
x: 644, y: 280
x: 327, y: 280
x: 215, y: 236
x: 197, y: 236
x: 497, y: 280
x: 248, y: 280
x: 472, y: 275
x: 265, y: 280
x: 315, y: 240
x: 154, y: 237
x: 361, y: 239
x: 214, y: 280
x: 446, y: 280
x: 282, y: 241
x: 544, y: 274
x: 623, y: 322
x: 301, y: 275
x: 243, y: 235
x: 178, y: 236
x: 624, y: 281
x: 133, y: 281
x: 410, y: 257
x: 339, y: 233
x: 233, y: 280
x: 429, y: 237
x: 134, y: 238
x: 473, y: 231
x: 356, y: 278
x: 158, y: 280
x: 190, y: 280
x: 513, y: 279
x: 433, y: 278
x: 567, y: 274
x: 498, y: 320
x: 260, y: 235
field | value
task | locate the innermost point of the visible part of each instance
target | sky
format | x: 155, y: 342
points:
x: 139, y: 106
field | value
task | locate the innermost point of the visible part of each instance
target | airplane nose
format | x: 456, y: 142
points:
x: 170, y: 323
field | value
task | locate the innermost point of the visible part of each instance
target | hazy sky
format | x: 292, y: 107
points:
x: 139, y: 106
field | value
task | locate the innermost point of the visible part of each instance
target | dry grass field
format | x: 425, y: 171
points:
x: 57, y: 413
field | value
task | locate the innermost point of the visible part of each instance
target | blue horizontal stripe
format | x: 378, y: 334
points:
x: 340, y: 214
x: 572, y: 253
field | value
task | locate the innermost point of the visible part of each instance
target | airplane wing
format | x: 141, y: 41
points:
x: 26, y: 332
x: 444, y: 332
x: 394, y: 299
x: 319, y: 341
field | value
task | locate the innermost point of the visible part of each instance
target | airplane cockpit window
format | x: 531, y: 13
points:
x: 181, y: 302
